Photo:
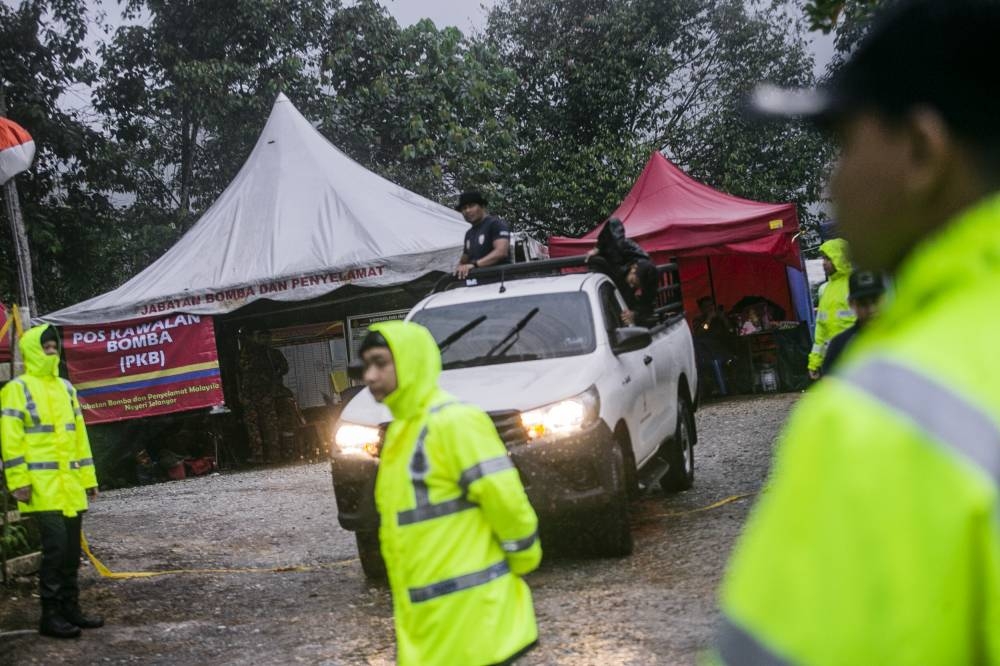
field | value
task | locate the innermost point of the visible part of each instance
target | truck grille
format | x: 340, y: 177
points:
x: 507, y: 423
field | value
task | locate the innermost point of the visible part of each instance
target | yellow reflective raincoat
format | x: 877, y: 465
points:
x: 457, y: 530
x: 877, y: 540
x: 43, y: 436
x: 833, y: 314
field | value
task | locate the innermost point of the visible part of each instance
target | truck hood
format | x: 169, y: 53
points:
x: 502, y: 387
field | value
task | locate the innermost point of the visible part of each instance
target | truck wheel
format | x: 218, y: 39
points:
x: 370, y: 555
x: 680, y: 476
x: 610, y: 532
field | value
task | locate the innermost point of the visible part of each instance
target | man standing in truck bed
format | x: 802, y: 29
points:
x: 487, y: 242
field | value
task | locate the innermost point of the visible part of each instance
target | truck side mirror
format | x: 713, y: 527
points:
x: 630, y: 338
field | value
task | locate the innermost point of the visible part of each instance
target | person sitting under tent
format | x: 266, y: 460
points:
x: 713, y: 335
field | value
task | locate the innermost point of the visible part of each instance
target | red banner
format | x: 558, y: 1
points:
x: 143, y: 367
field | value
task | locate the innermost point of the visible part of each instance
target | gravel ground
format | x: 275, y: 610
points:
x: 655, y: 607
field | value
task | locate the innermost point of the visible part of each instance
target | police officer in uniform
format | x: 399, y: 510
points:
x: 457, y: 531
x: 877, y: 540
x: 50, y: 471
x: 487, y: 242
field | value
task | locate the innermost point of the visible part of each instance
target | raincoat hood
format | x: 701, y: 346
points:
x: 418, y: 366
x: 837, y: 250
x: 36, y: 362
x: 616, y: 247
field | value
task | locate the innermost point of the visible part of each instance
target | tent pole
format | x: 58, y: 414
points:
x: 711, y: 281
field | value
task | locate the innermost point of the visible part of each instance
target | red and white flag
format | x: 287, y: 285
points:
x: 17, y: 149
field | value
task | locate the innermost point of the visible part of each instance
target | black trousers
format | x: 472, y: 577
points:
x: 57, y: 580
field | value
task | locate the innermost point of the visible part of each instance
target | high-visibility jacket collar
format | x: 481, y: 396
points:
x: 36, y: 362
x: 418, y: 366
x: 960, y: 253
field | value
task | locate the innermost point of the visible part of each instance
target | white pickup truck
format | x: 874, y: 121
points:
x: 591, y: 411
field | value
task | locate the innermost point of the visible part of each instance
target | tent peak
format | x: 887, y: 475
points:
x: 281, y: 98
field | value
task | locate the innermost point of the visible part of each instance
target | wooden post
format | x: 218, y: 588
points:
x: 26, y: 285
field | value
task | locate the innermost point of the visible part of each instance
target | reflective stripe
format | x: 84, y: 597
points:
x: 822, y: 315
x: 85, y: 461
x: 429, y: 511
x: 40, y: 428
x: 14, y: 462
x: 16, y: 413
x: 737, y: 647
x: 440, y: 589
x: 418, y: 475
x: 70, y: 426
x: 845, y: 313
x: 29, y: 402
x: 818, y: 348
x: 484, y: 468
x: 78, y: 411
x: 517, y: 545
x: 43, y: 465
x: 946, y: 416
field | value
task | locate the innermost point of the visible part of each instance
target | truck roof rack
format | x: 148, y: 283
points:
x: 668, y: 298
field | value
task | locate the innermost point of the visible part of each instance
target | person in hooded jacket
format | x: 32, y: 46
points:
x: 457, y: 531
x: 833, y: 314
x: 50, y: 471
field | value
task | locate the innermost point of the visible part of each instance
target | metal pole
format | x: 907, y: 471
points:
x: 21, y: 249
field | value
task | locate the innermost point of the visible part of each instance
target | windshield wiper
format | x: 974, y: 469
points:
x: 447, y: 342
x: 513, y: 332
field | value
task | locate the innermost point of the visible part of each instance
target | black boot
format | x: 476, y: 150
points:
x: 71, y: 611
x: 54, y: 624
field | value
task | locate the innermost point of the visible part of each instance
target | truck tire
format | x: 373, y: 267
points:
x: 370, y: 555
x: 610, y: 533
x: 680, y: 476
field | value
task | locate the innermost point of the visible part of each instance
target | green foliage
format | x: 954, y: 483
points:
x: 422, y: 106
x: 67, y: 218
x: 184, y: 96
x: 825, y: 14
x: 601, y: 83
x: 553, y: 110
x: 710, y: 133
x: 14, y: 541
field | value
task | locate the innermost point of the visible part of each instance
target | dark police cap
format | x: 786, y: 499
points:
x: 865, y: 284
x: 50, y: 334
x: 470, y: 197
x: 937, y: 53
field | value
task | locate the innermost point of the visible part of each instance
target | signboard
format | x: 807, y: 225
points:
x: 357, y: 328
x: 143, y: 367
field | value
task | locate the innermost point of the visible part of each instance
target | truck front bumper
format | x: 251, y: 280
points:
x: 565, y: 476
x: 573, y: 474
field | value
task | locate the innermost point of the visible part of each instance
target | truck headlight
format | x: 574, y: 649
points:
x: 562, y: 418
x: 355, y: 438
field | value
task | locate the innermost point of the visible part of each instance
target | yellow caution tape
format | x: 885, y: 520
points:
x: 107, y: 573
x: 715, y: 505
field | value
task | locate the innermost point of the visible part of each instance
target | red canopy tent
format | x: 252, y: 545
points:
x: 726, y: 246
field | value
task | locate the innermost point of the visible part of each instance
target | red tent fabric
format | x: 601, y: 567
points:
x: 726, y: 246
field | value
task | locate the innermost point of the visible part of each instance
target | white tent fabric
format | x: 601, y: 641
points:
x: 300, y: 219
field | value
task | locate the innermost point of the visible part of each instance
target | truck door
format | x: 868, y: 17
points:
x: 635, y: 377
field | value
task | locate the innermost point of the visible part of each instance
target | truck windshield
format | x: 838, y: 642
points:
x: 524, y: 328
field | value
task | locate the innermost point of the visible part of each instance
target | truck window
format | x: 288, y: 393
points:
x: 551, y: 326
x: 611, y: 307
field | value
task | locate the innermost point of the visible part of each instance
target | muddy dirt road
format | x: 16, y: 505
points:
x: 309, y: 602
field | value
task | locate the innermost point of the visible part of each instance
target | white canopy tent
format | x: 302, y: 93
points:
x: 300, y: 220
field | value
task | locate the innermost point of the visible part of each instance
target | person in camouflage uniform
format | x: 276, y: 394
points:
x: 261, y: 370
